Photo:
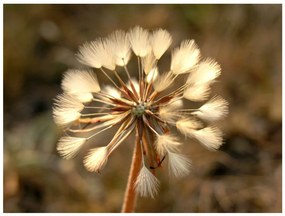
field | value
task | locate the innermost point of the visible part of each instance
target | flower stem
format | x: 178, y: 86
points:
x: 130, y: 193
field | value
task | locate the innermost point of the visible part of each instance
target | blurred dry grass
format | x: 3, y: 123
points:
x: 244, y: 176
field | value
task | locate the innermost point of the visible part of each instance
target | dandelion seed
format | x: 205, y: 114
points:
x: 213, y: 110
x: 168, y: 113
x: 139, y: 39
x: 166, y: 143
x: 179, y: 165
x: 163, y: 82
x: 187, y: 126
x: 185, y: 57
x: 211, y: 137
x: 66, y: 110
x: 206, y: 72
x: 160, y: 41
x: 146, y: 183
x: 69, y: 146
x: 197, y: 93
x: 96, y: 159
x: 97, y: 54
x: 120, y: 46
x: 81, y: 84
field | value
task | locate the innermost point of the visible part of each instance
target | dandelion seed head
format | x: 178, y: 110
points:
x: 144, y: 101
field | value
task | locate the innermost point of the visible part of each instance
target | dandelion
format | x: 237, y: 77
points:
x: 145, y: 105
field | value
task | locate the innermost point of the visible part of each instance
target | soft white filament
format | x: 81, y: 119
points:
x: 185, y: 57
x: 69, y: 146
x: 110, y: 90
x: 187, y: 126
x: 67, y: 109
x: 119, y: 45
x: 211, y: 137
x: 197, y: 92
x: 165, y: 143
x: 146, y: 183
x: 168, y: 113
x: 160, y: 41
x: 81, y: 84
x: 96, y: 159
x: 206, y: 72
x: 175, y: 103
x: 96, y: 54
x: 163, y: 82
x: 139, y: 39
x: 213, y: 110
x: 178, y: 164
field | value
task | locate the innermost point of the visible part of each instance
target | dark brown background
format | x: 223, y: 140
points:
x: 244, y: 176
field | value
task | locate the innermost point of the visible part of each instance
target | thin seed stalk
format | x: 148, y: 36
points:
x: 130, y: 193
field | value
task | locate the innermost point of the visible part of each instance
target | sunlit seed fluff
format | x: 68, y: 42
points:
x: 213, y: 110
x: 148, y: 63
x: 66, y: 110
x: 96, y: 54
x: 113, y: 92
x: 139, y: 39
x: 146, y: 183
x: 178, y: 164
x: 69, y: 146
x: 89, y: 53
x: 206, y: 72
x: 96, y: 159
x: 175, y: 103
x: 81, y: 84
x: 163, y: 82
x: 197, y: 93
x: 168, y: 113
x: 119, y: 44
x: 160, y: 41
x: 185, y: 57
x: 152, y: 75
x: 210, y: 137
x: 165, y: 143
x: 188, y: 126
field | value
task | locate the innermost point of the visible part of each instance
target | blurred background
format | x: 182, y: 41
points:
x: 244, y: 176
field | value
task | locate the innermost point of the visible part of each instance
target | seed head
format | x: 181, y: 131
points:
x: 144, y: 104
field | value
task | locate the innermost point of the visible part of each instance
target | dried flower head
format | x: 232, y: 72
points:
x: 139, y: 104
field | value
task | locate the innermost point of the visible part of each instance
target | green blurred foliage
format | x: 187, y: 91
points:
x: 244, y: 176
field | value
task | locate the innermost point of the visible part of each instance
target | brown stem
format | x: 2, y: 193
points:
x: 130, y: 193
